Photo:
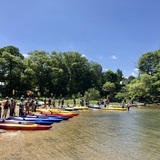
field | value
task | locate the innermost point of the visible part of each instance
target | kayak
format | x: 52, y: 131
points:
x: 80, y: 107
x: 23, y: 121
x: 56, y: 110
x: 58, y: 114
x: 8, y: 126
x: 74, y: 113
x: 49, y: 118
x: 36, y: 119
x: 94, y: 106
x: 12, y: 121
x: 70, y: 109
x: 46, y: 115
x: 114, y: 109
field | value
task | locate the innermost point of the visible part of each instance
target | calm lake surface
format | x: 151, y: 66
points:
x: 92, y: 135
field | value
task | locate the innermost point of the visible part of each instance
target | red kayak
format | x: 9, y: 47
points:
x: 9, y: 126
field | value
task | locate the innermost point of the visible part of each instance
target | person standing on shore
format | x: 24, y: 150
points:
x: 11, y: 107
x: 45, y: 103
x: 49, y: 102
x: 53, y: 102
x: 123, y: 103
x: 0, y: 110
x: 130, y: 104
x: 74, y: 101
x: 36, y: 104
x: 6, y: 106
x: 106, y: 103
x: 14, y: 106
x: 21, y: 107
x: 62, y: 102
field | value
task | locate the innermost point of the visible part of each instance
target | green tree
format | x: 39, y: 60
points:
x: 148, y: 62
x: 39, y: 67
x: 109, y: 88
x: 78, y: 69
x: 110, y: 76
x: 145, y: 88
x: 10, y: 67
x: 96, y: 75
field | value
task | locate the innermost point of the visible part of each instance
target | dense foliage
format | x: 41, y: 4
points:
x: 70, y: 73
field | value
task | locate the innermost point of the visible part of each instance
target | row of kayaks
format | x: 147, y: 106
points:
x: 110, y: 108
x: 41, y: 120
x: 95, y: 106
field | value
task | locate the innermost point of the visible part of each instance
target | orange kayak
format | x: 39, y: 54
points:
x: 55, y: 111
x: 8, y: 126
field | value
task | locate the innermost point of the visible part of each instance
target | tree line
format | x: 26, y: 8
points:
x: 71, y: 74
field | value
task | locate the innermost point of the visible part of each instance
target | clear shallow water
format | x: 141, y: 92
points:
x: 93, y: 135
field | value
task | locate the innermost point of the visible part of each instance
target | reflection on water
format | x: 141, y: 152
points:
x: 94, y: 134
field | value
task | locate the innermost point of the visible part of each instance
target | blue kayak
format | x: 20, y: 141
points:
x: 36, y: 119
x: 56, y: 118
x: 49, y: 116
x: 16, y: 121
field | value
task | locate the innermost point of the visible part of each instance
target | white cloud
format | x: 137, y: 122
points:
x: 133, y: 74
x: 136, y: 69
x: 114, y: 57
x: 100, y: 57
x: 25, y: 55
x: 83, y: 55
x: 104, y: 69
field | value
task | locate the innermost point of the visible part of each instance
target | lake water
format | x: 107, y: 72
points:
x: 92, y: 135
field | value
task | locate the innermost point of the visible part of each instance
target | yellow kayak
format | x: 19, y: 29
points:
x: 55, y: 110
x: 115, y: 108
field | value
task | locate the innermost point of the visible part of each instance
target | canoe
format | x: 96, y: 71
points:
x: 8, y: 126
x: 114, y: 109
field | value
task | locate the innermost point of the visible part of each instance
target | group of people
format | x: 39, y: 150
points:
x: 25, y: 105
x: 51, y: 102
x: 104, y: 102
x: 30, y: 104
x: 124, y: 104
x: 84, y: 101
x: 7, y: 105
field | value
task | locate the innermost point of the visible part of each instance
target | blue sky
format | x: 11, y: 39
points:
x: 113, y: 33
